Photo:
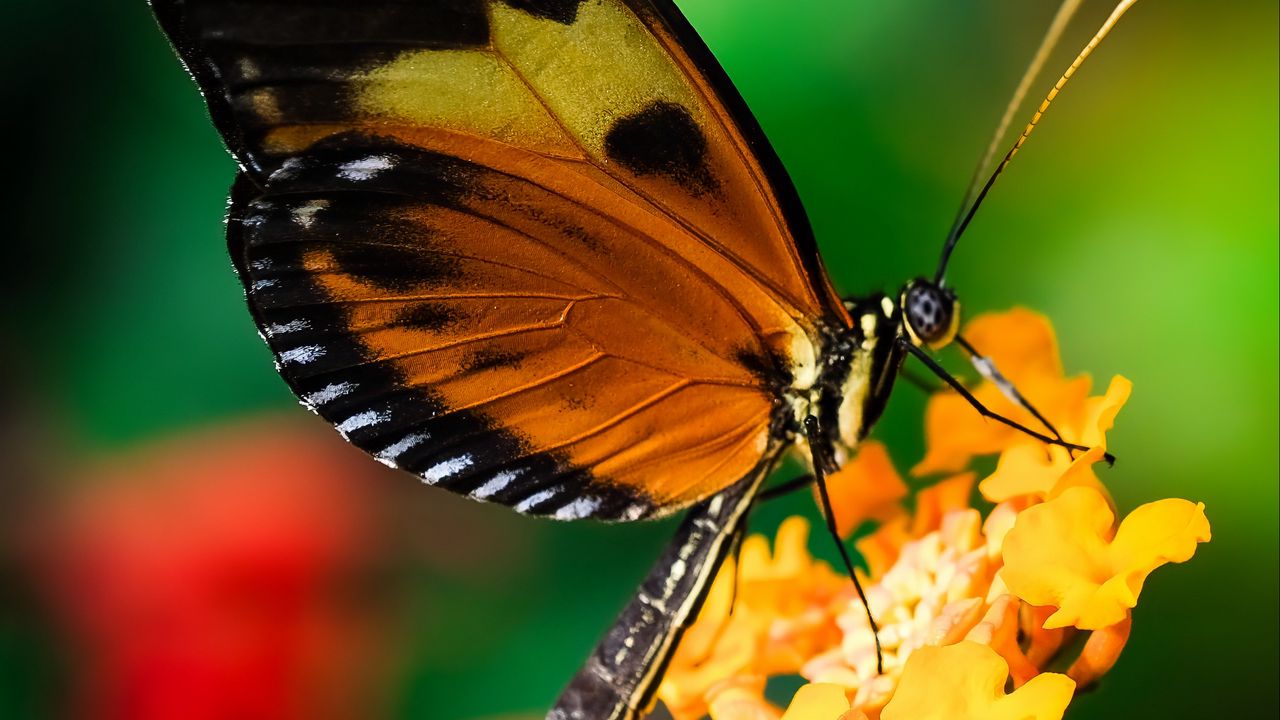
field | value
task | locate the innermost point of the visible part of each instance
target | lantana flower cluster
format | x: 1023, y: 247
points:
x: 969, y: 603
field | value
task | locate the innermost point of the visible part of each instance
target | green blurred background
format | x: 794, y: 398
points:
x: 1142, y: 219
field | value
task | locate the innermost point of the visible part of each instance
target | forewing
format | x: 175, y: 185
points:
x: 524, y: 250
x: 623, y: 85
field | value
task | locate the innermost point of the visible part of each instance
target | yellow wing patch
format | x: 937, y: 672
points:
x: 463, y: 90
x: 602, y: 67
x: 538, y: 80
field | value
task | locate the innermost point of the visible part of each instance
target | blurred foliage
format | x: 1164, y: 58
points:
x: 1142, y: 219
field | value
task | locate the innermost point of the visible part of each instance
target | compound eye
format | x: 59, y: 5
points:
x: 931, y: 313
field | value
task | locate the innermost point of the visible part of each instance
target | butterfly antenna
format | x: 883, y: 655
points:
x: 1050, y: 40
x: 958, y: 229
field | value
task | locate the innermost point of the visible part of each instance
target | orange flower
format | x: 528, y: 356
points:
x: 742, y: 699
x: 966, y: 681
x: 782, y: 616
x: 964, y: 602
x: 881, y: 547
x: 817, y: 701
x: 1029, y: 467
x: 1023, y: 346
x: 937, y: 591
x: 866, y: 488
x: 1067, y: 554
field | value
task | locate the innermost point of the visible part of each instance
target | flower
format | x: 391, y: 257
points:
x: 966, y: 601
x: 203, y: 578
x: 966, y: 681
x: 782, y: 615
x: 1026, y: 351
x: 1067, y: 553
x: 866, y: 488
x: 1032, y: 468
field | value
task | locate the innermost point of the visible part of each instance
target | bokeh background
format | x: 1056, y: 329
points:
x: 178, y: 539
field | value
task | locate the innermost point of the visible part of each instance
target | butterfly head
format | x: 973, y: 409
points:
x: 930, y: 313
x: 860, y: 366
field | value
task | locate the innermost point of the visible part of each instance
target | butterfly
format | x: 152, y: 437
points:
x: 539, y: 253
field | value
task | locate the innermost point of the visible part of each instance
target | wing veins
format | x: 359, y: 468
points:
x: 627, y: 414
x: 447, y: 296
x: 728, y: 438
x: 545, y: 380
x: 679, y: 259
x: 720, y: 114
x: 445, y: 253
x: 654, y: 206
x: 665, y: 371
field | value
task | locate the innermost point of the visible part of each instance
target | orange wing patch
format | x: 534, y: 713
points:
x: 538, y: 318
x: 535, y: 251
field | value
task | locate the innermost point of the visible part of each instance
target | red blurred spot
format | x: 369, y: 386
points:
x: 222, y: 576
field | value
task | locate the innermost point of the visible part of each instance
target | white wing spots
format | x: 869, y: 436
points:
x: 329, y: 393
x: 305, y: 214
x: 634, y: 512
x: 579, y: 508
x: 261, y: 265
x: 365, y: 168
x: 398, y: 448
x: 248, y: 69
x: 259, y: 285
x: 288, y: 169
x: 253, y: 220
x: 714, y: 507
x: 678, y: 569
x: 539, y: 497
x: 495, y: 484
x: 287, y: 327
x: 446, y: 469
x: 301, y: 355
x: 362, y: 420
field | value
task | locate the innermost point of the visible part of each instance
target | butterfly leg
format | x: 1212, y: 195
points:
x: 735, y: 557
x: 928, y: 386
x: 987, y: 368
x: 786, y: 488
x: 956, y: 385
x: 820, y: 465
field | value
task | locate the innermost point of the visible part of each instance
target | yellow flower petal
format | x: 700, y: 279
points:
x: 1021, y: 341
x: 1040, y: 472
x: 817, y: 701
x: 1100, y: 653
x: 1062, y: 554
x: 703, y: 633
x: 1023, y: 346
x: 999, y: 630
x: 1100, y: 413
x: 866, y: 488
x: 936, y: 501
x: 690, y: 680
x: 783, y: 615
x: 966, y: 681
x: 741, y: 699
x: 955, y: 432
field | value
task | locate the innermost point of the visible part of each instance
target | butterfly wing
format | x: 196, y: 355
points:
x: 535, y: 252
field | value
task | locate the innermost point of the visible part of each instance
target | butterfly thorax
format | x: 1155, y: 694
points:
x: 856, y: 368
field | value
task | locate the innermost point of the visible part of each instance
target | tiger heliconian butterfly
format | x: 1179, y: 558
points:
x: 539, y: 253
